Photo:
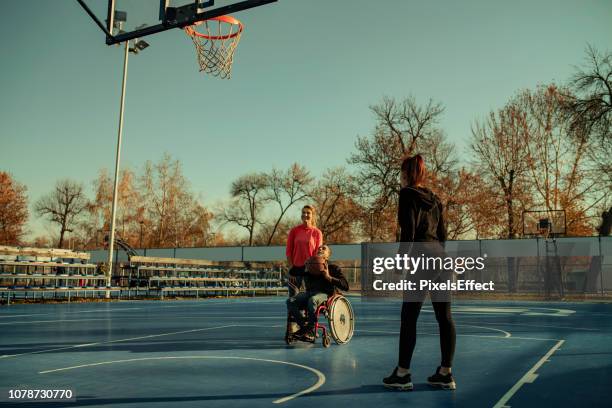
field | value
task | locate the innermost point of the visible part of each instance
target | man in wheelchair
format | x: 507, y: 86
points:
x: 321, y: 279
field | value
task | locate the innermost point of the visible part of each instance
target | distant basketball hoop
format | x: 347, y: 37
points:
x: 544, y: 227
x: 544, y: 223
x: 215, y: 41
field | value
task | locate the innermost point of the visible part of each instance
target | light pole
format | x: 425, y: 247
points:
x: 68, y: 230
x: 138, y: 46
x: 141, y: 224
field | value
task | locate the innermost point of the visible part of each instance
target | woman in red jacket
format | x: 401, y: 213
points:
x: 302, y: 243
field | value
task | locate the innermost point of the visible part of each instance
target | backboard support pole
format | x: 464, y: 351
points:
x: 163, y: 5
x: 110, y: 17
x: 95, y: 19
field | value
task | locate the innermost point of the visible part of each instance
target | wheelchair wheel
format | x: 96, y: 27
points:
x: 341, y: 320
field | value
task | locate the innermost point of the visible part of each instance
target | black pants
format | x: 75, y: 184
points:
x: 410, y: 314
x: 296, y: 272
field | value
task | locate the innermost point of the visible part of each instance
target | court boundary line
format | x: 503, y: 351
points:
x: 74, y: 312
x: 132, y: 338
x: 529, y: 377
x: 320, y: 376
x: 118, y: 340
x: 459, y: 322
x: 462, y: 335
x: 547, y: 326
x: 62, y: 321
x: 505, y: 333
x: 398, y: 320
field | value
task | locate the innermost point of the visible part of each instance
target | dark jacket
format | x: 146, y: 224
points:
x: 320, y: 284
x: 421, y: 216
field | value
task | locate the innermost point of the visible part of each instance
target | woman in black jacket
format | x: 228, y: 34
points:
x: 421, y: 220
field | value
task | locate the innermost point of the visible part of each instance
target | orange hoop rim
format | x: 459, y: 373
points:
x: 224, y: 19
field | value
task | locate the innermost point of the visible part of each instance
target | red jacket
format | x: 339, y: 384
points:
x: 302, y: 243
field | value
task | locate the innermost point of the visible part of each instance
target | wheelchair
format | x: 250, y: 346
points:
x: 340, y: 322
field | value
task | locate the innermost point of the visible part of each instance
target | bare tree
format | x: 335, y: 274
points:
x: 335, y: 197
x: 589, y: 107
x: 478, y: 199
x: 402, y: 128
x: 378, y: 164
x: 168, y: 212
x: 264, y: 232
x: 590, y: 103
x: 461, y: 192
x: 194, y: 225
x: 63, y: 206
x: 248, y: 194
x: 600, y: 169
x: 284, y: 189
x: 13, y: 210
x: 130, y: 208
x: 557, y: 159
x: 440, y: 155
x: 407, y: 121
x: 162, y: 184
x: 500, y: 144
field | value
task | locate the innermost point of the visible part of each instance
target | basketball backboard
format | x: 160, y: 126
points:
x: 123, y: 20
x: 544, y: 223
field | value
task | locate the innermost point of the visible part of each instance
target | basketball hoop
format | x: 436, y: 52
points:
x: 544, y: 227
x: 544, y: 223
x: 215, y: 41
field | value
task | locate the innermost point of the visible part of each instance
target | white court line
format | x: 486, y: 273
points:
x: 505, y: 333
x: 315, y: 386
x: 548, y: 326
x: 529, y: 377
x: 462, y: 335
x: 219, y: 304
x: 142, y: 319
x: 117, y: 341
x: 76, y: 312
x: 148, y: 307
x: 105, y: 310
x: 435, y: 334
x: 54, y: 321
x: 543, y: 325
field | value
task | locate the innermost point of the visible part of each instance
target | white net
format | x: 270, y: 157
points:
x: 215, y: 41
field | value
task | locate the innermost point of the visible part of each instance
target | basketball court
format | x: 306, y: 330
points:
x: 230, y: 352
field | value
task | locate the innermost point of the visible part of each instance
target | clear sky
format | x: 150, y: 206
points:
x: 304, y: 76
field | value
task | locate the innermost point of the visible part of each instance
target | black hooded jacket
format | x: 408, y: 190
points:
x: 319, y: 283
x: 421, y: 216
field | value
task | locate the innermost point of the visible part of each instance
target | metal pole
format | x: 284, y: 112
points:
x: 111, y: 242
x: 141, y: 234
x: 601, y: 270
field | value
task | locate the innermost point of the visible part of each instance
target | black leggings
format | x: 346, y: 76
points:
x: 410, y: 314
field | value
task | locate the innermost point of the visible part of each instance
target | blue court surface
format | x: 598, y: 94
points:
x: 230, y: 353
